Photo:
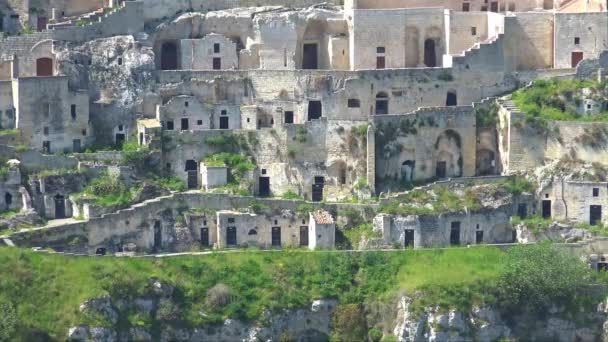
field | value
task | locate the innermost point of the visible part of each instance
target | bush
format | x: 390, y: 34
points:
x: 218, y: 296
x: 290, y: 195
x: 375, y: 335
x: 349, y: 324
x: 536, y: 277
x: 8, y: 320
x: 109, y: 191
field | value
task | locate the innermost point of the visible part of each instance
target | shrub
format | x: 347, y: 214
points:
x: 536, y: 277
x: 290, y: 195
x: 109, y: 191
x: 519, y: 185
x: 218, y: 296
x: 375, y: 335
x: 172, y: 183
x: 167, y: 311
x: 8, y: 320
x: 348, y: 323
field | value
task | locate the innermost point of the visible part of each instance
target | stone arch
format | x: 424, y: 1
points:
x: 382, y: 103
x: 448, y: 155
x: 44, y: 67
x: 432, y: 47
x: 169, y: 56
x: 338, y: 170
x: 408, y: 168
x: 411, y: 47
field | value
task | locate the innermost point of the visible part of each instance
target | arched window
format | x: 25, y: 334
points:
x: 252, y: 232
x: 381, y: 103
x: 430, y: 56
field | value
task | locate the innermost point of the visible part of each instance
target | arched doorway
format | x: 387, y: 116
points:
x: 8, y: 200
x: 59, y: 207
x: 44, y: 67
x: 192, y: 171
x: 381, y: 103
x: 407, y: 171
x: 451, y: 99
x: 430, y: 57
x: 168, y: 56
x: 448, y: 155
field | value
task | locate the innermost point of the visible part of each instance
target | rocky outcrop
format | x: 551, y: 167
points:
x: 556, y: 232
x: 487, y: 324
x: 311, y: 324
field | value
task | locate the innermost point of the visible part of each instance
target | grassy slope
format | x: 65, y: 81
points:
x: 47, y: 290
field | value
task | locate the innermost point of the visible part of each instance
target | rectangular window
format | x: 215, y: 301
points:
x: 199, y: 122
x: 84, y: 132
x: 381, y: 49
x: 46, y: 131
x: 73, y: 111
x: 46, y: 146
x: 473, y: 31
x: 596, y: 192
x: 224, y: 112
x: 170, y: 125
x: 185, y: 125
x: 466, y: 7
x: 231, y: 220
x: 120, y: 128
x: 354, y: 103
x: 216, y: 48
x: 577, y: 40
x: 288, y: 117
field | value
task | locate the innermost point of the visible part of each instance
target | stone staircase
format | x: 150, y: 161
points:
x: 87, y: 18
x: 483, y: 48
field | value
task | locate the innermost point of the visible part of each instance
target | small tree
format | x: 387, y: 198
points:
x: 535, y: 277
x: 349, y: 324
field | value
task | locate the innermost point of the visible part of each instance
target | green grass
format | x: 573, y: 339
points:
x: 11, y: 131
x: 7, y: 214
x: 556, y: 100
x: 48, y: 289
x: 108, y: 191
x: 172, y: 183
x: 290, y: 195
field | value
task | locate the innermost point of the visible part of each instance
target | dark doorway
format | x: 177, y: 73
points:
x: 315, y: 110
x: 141, y: 138
x: 41, y: 24
x: 303, y: 236
x: 168, y: 56
x: 224, y: 122
x: 455, y: 234
x: 595, y: 214
x: 76, y: 145
x: 310, y: 56
x: 381, y: 104
x: 380, y: 62
x: 264, y: 188
x: 44, y: 67
x: 289, y: 117
x: 100, y: 251
x: 577, y: 57
x: 46, y: 147
x: 441, y: 170
x: 120, y: 139
x: 522, y: 210
x: 192, y: 171
x: 479, y: 237
x: 451, y: 99
x: 205, y: 237
x: 158, y: 236
x: 546, y: 209
x: 409, y: 238
x: 317, y: 189
x: 217, y: 63
x: 231, y: 236
x: 276, y: 236
x: 8, y: 200
x: 430, y: 58
x: 185, y: 124
x: 59, y: 207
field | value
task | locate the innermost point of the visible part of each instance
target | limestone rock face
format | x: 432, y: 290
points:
x: 79, y: 333
x: 102, y: 306
x: 486, y: 324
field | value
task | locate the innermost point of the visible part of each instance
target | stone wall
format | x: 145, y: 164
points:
x: 579, y: 32
x: 529, y: 41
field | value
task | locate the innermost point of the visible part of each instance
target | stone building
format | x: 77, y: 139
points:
x: 571, y: 200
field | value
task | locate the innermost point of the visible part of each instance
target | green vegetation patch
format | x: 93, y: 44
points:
x: 557, y: 100
x: 109, y: 191
x: 45, y: 291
